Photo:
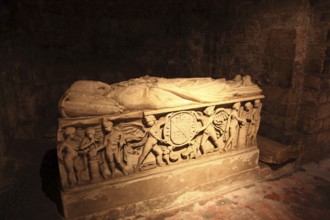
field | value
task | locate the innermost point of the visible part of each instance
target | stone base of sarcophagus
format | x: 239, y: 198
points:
x: 162, y: 188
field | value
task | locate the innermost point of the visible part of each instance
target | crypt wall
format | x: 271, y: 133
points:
x: 46, y: 46
x: 314, y: 115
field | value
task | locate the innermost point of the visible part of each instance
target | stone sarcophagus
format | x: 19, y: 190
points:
x: 148, y: 143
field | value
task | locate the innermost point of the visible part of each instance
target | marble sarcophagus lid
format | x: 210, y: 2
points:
x: 150, y: 143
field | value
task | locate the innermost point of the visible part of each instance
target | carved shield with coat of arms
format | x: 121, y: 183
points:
x: 180, y: 128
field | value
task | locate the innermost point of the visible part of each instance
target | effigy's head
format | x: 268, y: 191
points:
x: 69, y: 131
x: 209, y: 111
x: 90, y: 87
x: 102, y: 90
x: 150, y: 120
x: 238, y: 78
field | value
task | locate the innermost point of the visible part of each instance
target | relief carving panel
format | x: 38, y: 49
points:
x: 152, y: 123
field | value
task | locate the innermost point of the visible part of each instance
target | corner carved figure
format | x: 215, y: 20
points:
x: 255, y: 123
x: 232, y: 127
x: 70, y: 149
x: 244, y: 130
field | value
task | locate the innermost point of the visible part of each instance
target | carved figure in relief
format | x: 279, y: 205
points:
x: 255, y: 123
x: 154, y: 136
x: 113, y: 142
x: 246, y: 117
x: 70, y: 147
x: 232, y: 127
x: 214, y: 128
x: 87, y: 98
x: 90, y: 148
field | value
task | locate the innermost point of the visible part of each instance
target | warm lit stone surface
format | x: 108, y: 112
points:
x: 91, y: 98
x: 141, y: 144
x: 273, y: 152
x: 168, y: 187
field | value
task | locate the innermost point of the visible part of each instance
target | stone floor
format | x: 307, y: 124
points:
x: 29, y: 186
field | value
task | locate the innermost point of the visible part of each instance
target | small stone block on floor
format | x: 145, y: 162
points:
x: 273, y: 152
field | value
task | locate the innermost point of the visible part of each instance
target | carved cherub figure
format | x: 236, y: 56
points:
x: 90, y: 147
x: 71, y: 153
x: 112, y: 142
x: 154, y: 135
x: 211, y: 125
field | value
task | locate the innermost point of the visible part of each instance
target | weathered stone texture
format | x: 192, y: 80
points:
x: 314, y: 65
x: 275, y: 153
x: 326, y: 124
x: 325, y: 17
x: 314, y: 111
x: 324, y: 111
x: 274, y: 120
x: 272, y: 133
x: 320, y: 4
x: 323, y: 138
x: 311, y: 125
x: 165, y: 189
x: 328, y: 36
x: 3, y: 142
x: 310, y: 96
x: 323, y: 96
x: 326, y: 67
x: 327, y: 52
x: 314, y: 149
x: 313, y: 81
x: 280, y: 51
x: 325, y: 84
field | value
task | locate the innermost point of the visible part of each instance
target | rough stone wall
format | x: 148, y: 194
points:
x: 47, y: 45
x: 5, y: 34
x: 268, y: 40
x: 314, y: 119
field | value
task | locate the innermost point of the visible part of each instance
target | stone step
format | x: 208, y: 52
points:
x: 272, y: 152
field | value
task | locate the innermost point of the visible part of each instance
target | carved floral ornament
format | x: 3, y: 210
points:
x: 138, y: 134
